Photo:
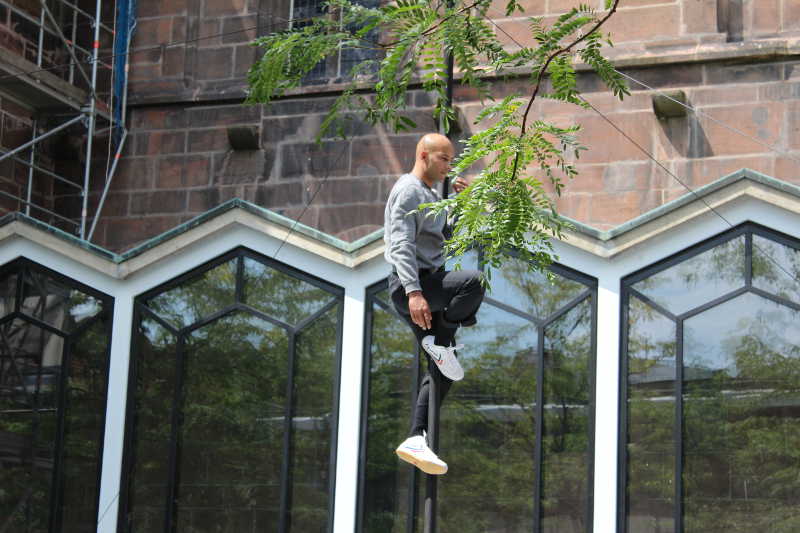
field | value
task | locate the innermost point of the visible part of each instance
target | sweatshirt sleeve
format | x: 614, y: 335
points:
x: 403, y: 247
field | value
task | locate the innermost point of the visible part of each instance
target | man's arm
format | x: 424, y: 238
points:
x: 403, y: 255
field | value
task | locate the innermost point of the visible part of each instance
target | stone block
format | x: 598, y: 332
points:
x: 133, y: 173
x: 157, y: 8
x: 345, y: 191
x: 766, y: 18
x: 214, y: 140
x: 239, y: 29
x: 179, y: 27
x: 170, y: 117
x: 225, y: 7
x: 614, y: 208
x: 791, y: 15
x: 209, y: 32
x: 699, y: 16
x: 278, y: 195
x: 182, y: 171
x: 575, y: 206
x: 124, y: 233
x: 224, y: 115
x: 150, y: 32
x: 161, y: 142
x: 214, y: 63
x: 245, y: 58
x: 644, y: 23
x: 332, y: 158
x: 237, y: 167
x: 202, y: 200
x: 763, y: 121
x: 143, y: 72
x: 607, y: 144
x: 299, y: 106
x: 675, y: 76
x: 725, y: 74
x: 381, y: 156
x: 174, y: 61
x: 335, y: 219
x: 148, y: 203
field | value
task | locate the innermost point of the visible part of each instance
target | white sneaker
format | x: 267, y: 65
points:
x: 415, y: 450
x: 445, y: 358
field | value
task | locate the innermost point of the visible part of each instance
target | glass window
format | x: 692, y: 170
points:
x: 54, y: 346
x: 712, y: 423
x: 515, y: 432
x: 234, y: 407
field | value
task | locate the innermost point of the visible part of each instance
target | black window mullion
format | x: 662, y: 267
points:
x: 286, y: 470
x: 144, y: 310
x: 656, y: 306
x: 538, y: 451
x: 177, y: 415
x: 239, y: 291
x: 678, y: 428
x: 512, y: 310
x: 712, y: 303
x: 566, y: 309
x: 313, y: 318
x: 622, y: 450
x: 748, y: 259
x: 773, y: 298
x: 57, y: 482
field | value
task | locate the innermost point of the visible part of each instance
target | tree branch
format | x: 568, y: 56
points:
x: 543, y: 70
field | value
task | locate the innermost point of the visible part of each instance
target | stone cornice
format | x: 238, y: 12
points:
x: 239, y: 213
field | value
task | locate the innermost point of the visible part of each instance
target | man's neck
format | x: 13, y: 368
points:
x: 421, y: 176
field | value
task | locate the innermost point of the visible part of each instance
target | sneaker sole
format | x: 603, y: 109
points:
x: 440, y: 364
x: 425, y: 466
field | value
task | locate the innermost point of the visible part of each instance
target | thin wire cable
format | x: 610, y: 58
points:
x: 692, y: 191
x: 311, y: 200
x: 668, y: 171
x: 699, y: 112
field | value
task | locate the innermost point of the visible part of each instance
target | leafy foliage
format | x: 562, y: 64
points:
x: 507, y: 207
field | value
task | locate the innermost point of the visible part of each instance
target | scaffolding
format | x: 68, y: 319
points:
x: 65, y: 63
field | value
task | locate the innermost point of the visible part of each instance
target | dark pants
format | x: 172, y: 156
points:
x: 454, y: 299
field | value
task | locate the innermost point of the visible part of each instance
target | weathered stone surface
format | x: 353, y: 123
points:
x: 332, y: 158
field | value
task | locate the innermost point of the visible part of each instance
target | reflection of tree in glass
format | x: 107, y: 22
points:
x: 390, y: 386
x: 742, y: 420
x: 313, y: 411
x: 698, y: 279
x: 200, y: 296
x: 566, y: 420
x: 532, y: 293
x: 776, y: 268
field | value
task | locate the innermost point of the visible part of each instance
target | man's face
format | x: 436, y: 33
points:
x: 439, y: 162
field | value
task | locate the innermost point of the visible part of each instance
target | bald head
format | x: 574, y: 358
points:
x: 433, y: 142
x: 434, y: 156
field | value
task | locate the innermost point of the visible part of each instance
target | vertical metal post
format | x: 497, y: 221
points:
x: 92, y: 118
x: 32, y: 161
x: 41, y: 40
x: 431, y: 485
x: 74, y: 38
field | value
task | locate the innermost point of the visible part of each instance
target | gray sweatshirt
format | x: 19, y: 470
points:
x: 413, y: 241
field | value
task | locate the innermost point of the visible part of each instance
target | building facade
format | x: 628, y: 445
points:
x: 222, y: 354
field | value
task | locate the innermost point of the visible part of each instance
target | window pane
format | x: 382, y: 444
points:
x: 30, y: 366
x: 532, y: 293
x: 56, y: 304
x: 233, y: 406
x: 651, y: 419
x: 776, y: 268
x: 565, y: 444
x: 488, y: 428
x: 699, y: 279
x: 83, y: 430
x: 279, y: 295
x: 741, y: 417
x: 315, y: 362
x: 199, y: 297
x: 390, y: 386
x: 155, y: 393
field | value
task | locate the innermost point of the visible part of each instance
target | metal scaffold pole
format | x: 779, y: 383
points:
x: 92, y: 119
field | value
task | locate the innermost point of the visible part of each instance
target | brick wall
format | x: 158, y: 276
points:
x: 179, y: 163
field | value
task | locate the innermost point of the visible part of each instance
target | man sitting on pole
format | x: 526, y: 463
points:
x: 433, y: 301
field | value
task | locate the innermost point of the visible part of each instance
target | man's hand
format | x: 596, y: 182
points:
x: 459, y: 184
x: 419, y: 310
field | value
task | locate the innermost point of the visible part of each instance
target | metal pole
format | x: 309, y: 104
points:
x: 41, y: 40
x: 92, y: 118
x: 108, y: 184
x: 431, y: 485
x: 67, y: 43
x: 35, y: 140
x: 30, y: 172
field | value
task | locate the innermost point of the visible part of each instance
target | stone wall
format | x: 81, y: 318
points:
x: 735, y: 60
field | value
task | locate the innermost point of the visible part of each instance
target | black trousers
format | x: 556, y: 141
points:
x: 454, y: 299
